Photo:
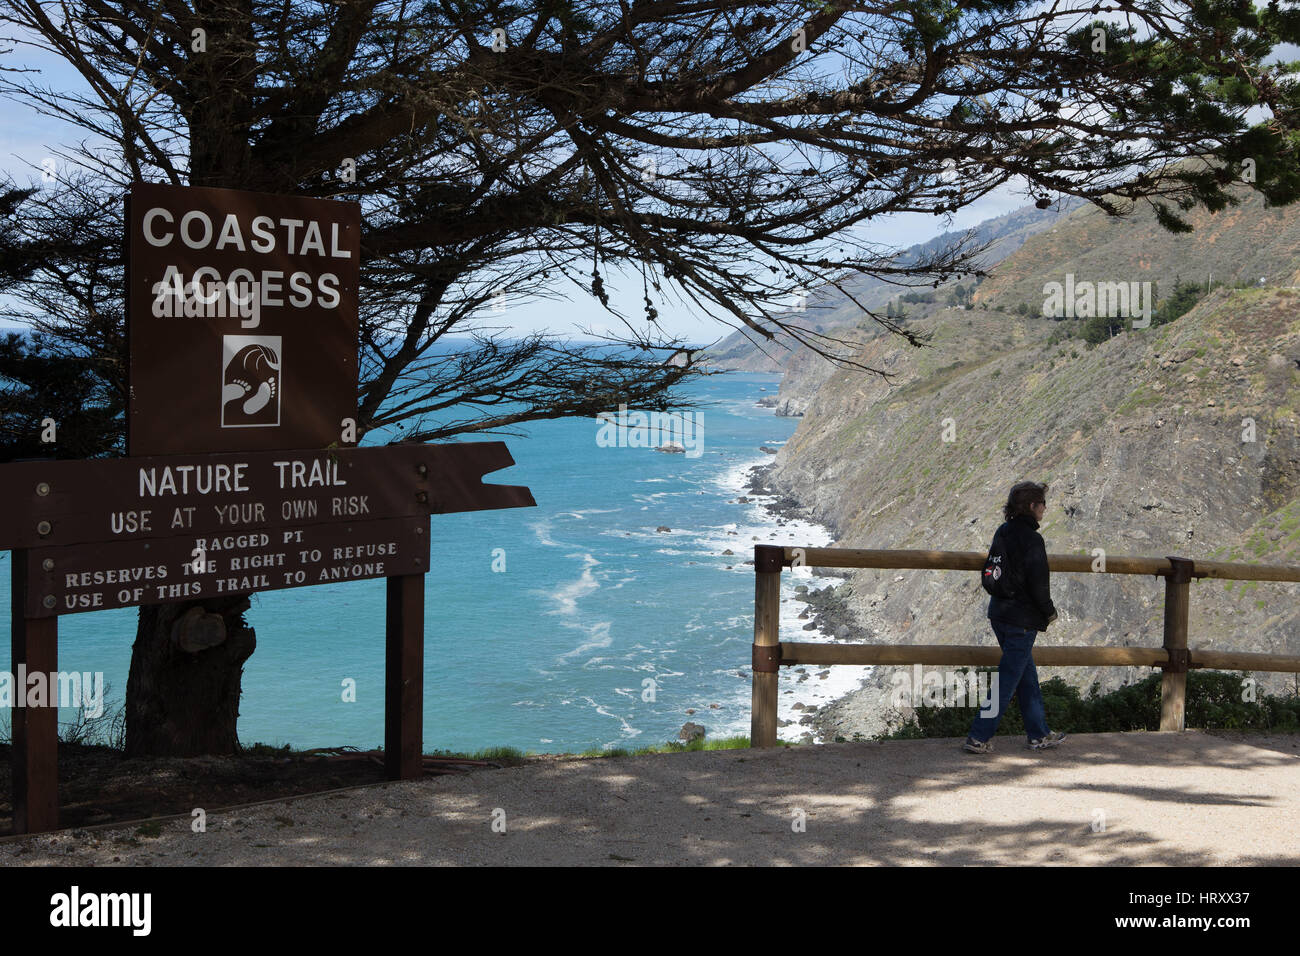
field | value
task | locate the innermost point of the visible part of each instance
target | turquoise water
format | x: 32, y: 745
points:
x: 552, y: 653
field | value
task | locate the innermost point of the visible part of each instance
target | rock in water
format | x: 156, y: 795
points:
x: 690, y: 732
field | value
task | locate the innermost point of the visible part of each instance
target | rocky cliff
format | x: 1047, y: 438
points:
x: 830, y: 312
x: 1181, y: 439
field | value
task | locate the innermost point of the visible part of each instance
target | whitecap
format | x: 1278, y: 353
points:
x: 566, y: 598
x: 600, y: 637
x: 542, y: 529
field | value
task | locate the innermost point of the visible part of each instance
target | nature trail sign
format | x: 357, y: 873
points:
x: 239, y: 475
x: 121, y: 499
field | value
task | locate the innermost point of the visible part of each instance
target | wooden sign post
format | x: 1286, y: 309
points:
x: 35, y: 650
x: 237, y: 479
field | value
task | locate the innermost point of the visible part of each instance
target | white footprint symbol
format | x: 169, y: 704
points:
x: 260, y: 399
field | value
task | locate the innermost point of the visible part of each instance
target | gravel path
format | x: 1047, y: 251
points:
x: 1101, y: 799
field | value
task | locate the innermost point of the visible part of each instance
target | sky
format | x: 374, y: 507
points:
x: 27, y: 139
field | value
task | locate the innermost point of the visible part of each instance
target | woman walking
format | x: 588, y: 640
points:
x: 1017, y: 619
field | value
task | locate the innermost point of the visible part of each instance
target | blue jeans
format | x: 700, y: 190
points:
x: 1016, y: 675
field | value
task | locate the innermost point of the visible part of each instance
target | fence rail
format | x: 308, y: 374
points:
x: 1174, y: 657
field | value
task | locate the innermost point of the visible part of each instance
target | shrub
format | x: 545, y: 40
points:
x: 1213, y: 702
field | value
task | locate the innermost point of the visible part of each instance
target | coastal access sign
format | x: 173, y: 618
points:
x: 239, y: 476
x: 242, y: 334
x: 241, y: 319
x: 241, y: 472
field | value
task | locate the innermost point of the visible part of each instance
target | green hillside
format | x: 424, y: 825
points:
x: 1241, y: 244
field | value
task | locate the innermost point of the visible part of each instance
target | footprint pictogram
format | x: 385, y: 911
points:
x: 250, y: 386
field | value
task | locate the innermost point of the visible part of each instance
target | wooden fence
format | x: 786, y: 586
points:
x: 1175, y: 657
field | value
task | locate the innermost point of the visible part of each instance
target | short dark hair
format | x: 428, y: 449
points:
x: 1022, y: 497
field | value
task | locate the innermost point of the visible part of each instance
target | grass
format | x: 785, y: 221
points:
x: 672, y: 747
x: 927, y: 384
x: 1140, y: 397
x: 266, y: 750
x: 106, y: 730
x: 1214, y: 702
x: 497, y: 753
x: 513, y: 755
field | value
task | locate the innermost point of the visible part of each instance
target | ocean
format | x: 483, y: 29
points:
x: 571, y: 626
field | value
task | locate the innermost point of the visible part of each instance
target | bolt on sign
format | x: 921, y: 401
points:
x: 241, y: 319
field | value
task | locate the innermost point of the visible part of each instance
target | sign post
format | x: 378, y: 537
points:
x: 404, y: 678
x: 240, y: 475
x: 35, y: 650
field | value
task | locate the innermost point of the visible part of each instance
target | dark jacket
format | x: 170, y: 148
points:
x: 1027, y: 555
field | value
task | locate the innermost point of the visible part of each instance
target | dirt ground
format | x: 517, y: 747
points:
x: 1135, y: 799
x: 98, y: 785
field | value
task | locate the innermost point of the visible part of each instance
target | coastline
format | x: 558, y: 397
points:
x: 819, y: 705
x: 830, y: 704
x: 763, y: 519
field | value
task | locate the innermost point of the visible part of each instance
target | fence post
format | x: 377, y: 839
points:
x: 768, y: 560
x: 1173, y: 684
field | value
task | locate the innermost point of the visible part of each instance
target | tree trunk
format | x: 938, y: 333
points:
x: 182, y: 697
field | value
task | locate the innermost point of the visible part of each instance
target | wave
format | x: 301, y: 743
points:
x: 542, y: 530
x: 566, y: 598
x: 625, y: 728
x: 581, y: 514
x: 600, y: 638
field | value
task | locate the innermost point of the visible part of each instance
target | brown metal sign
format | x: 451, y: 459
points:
x: 115, y: 574
x: 241, y: 319
x: 242, y: 339
x: 50, y: 503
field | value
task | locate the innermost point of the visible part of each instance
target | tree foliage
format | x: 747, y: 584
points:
x: 45, y: 386
x: 1180, y: 300
x: 1175, y: 305
x: 730, y: 154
